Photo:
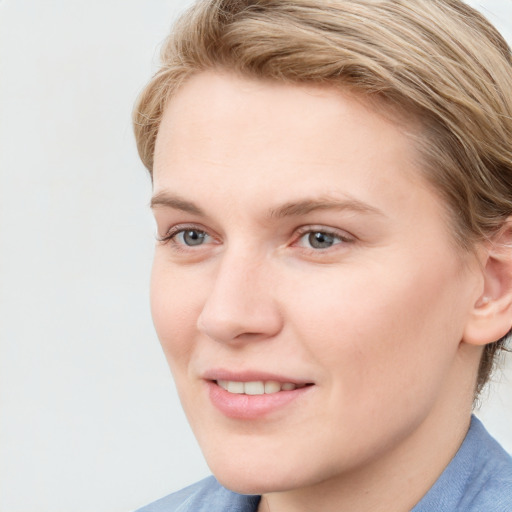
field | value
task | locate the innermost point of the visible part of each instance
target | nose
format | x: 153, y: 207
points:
x: 240, y: 306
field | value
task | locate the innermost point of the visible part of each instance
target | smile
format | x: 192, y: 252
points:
x: 257, y: 387
x: 252, y: 399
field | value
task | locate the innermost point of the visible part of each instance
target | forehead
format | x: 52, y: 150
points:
x: 267, y: 140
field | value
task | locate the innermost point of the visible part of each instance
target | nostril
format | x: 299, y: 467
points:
x: 250, y: 336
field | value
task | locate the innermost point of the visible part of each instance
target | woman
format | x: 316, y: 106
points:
x: 333, y: 279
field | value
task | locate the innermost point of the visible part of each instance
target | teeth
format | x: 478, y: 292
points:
x: 256, y: 387
x: 272, y: 387
x: 235, y: 387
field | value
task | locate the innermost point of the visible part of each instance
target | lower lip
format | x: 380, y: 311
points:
x: 249, y: 407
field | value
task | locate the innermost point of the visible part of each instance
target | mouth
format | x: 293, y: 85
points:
x: 250, y: 398
x: 258, y: 387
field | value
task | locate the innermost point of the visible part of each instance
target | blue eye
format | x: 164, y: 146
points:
x: 191, y: 237
x: 319, y: 240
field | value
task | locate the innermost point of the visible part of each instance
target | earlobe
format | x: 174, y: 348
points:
x: 491, y: 317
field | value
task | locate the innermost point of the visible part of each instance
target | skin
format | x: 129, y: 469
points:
x: 377, y: 321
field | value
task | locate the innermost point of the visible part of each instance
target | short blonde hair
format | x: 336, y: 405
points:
x: 437, y: 62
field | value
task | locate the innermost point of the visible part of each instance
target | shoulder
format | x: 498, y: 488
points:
x: 490, y: 483
x: 204, y: 496
x: 478, y: 478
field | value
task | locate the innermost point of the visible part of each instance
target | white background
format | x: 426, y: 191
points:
x: 89, y: 418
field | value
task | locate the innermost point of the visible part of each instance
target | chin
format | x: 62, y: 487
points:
x: 245, y: 481
x: 249, y: 476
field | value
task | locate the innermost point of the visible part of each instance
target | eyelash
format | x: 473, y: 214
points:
x: 343, y: 238
x: 171, y: 235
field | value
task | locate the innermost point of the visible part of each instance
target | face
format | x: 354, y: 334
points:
x: 306, y: 290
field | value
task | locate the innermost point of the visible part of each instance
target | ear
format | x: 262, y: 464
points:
x: 491, y: 317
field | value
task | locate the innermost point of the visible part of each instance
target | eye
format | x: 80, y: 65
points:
x: 184, y: 236
x: 190, y: 237
x: 320, y: 239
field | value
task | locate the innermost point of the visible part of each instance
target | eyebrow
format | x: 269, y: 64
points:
x: 303, y: 207
x: 175, y: 202
x: 289, y: 209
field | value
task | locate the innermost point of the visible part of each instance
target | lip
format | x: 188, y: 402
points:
x: 251, y: 375
x: 251, y: 407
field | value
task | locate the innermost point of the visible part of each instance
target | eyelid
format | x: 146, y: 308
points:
x: 344, y: 242
x: 178, y: 228
x: 343, y: 235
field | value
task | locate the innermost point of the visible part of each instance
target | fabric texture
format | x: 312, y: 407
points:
x: 478, y: 479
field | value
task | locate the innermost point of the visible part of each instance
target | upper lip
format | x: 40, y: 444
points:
x: 251, y: 376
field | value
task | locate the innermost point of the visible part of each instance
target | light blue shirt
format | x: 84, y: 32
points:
x: 478, y: 479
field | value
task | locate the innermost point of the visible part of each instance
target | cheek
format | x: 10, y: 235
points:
x: 379, y: 332
x: 174, y: 308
